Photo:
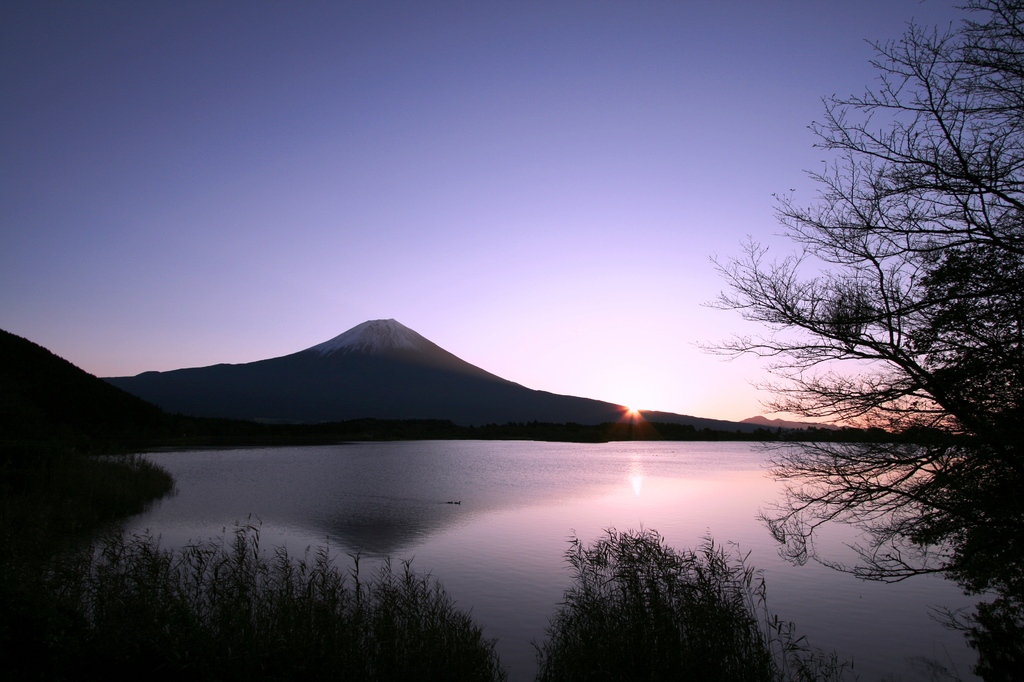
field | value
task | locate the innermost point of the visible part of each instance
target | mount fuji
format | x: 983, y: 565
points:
x: 378, y: 369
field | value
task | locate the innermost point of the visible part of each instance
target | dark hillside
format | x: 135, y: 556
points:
x: 44, y: 397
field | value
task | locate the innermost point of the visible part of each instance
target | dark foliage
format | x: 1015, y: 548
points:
x: 639, y: 610
x: 224, y: 611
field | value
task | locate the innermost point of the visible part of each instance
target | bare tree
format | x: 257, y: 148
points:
x: 904, y: 308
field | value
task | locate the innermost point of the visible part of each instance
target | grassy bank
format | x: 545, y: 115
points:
x: 51, y: 493
x: 76, y: 607
x: 225, y: 610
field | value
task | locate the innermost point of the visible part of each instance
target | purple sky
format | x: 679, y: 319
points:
x: 537, y: 187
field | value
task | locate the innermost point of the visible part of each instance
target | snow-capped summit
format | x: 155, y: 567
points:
x: 374, y: 336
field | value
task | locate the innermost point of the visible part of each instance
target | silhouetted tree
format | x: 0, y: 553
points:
x: 904, y: 309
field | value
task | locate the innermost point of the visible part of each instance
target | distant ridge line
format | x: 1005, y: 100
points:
x: 785, y: 423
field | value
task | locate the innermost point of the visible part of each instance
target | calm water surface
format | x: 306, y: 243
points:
x: 499, y: 552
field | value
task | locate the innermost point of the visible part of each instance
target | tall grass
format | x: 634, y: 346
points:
x: 639, y: 610
x: 51, y: 493
x: 226, y: 610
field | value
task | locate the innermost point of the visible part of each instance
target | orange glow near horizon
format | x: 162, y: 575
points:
x: 635, y: 424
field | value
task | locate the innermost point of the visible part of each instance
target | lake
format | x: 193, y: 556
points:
x: 499, y: 553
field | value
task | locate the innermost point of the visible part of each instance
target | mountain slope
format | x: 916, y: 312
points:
x: 379, y: 369
x: 44, y: 396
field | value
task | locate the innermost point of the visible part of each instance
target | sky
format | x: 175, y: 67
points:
x: 539, y: 188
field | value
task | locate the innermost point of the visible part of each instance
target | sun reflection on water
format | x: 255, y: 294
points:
x: 636, y: 477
